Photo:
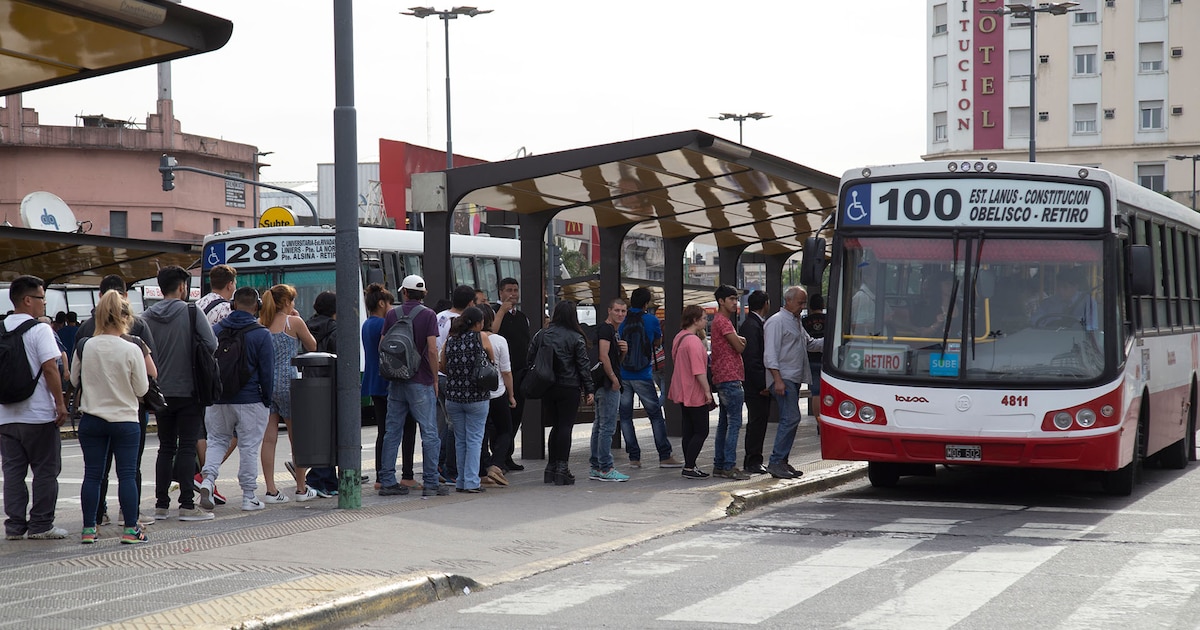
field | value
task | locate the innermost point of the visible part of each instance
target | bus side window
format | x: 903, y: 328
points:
x: 464, y: 272
x: 486, y: 271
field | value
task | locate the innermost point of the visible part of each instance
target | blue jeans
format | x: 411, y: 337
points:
x: 789, y: 419
x: 603, y: 428
x: 404, y: 398
x: 729, y: 424
x: 96, y: 437
x: 469, y: 419
x: 649, y: 396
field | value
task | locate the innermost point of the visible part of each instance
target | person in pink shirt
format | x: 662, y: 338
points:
x: 689, y: 387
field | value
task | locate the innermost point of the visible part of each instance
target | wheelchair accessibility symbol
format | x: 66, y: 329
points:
x: 214, y: 255
x: 858, y: 212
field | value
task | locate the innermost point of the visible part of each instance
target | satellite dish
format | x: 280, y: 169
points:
x: 45, y: 211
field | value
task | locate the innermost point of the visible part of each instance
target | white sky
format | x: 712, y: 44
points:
x: 843, y: 81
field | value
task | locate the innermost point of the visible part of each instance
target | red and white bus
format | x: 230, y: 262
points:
x: 1009, y: 314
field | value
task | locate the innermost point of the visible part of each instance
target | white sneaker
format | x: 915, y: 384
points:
x: 54, y: 533
x: 206, y: 494
x: 278, y: 497
x: 145, y: 519
x: 162, y: 514
x: 307, y: 495
x: 251, y: 505
x: 195, y: 514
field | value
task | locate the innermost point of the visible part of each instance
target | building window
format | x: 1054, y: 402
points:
x: 1085, y: 60
x: 216, y: 226
x: 1018, y: 63
x: 939, y: 127
x: 1151, y: 115
x: 156, y: 223
x: 939, y: 70
x: 1086, y: 13
x: 1018, y: 122
x: 118, y: 223
x: 1085, y: 118
x: 1152, y: 176
x: 1152, y: 10
x: 1150, y: 56
x: 939, y: 19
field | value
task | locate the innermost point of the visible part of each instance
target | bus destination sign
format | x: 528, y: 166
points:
x: 297, y: 249
x: 978, y: 203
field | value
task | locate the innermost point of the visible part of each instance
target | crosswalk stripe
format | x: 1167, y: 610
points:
x: 958, y: 590
x: 918, y: 525
x: 549, y: 599
x: 768, y: 595
x: 1153, y: 583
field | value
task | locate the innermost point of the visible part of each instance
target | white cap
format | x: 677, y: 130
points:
x: 413, y: 283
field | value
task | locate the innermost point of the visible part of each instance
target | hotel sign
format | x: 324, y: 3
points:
x: 980, y: 80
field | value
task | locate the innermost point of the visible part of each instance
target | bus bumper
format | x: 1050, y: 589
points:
x: 843, y: 440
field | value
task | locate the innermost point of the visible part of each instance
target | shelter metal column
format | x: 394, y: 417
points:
x: 673, y: 250
x: 533, y: 303
x: 436, y: 269
x: 775, y: 265
x: 727, y: 265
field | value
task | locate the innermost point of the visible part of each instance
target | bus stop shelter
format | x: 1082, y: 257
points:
x: 689, y: 186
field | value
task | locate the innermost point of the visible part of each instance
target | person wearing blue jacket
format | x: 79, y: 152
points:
x: 243, y: 413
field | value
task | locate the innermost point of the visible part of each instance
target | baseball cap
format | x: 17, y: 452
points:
x: 413, y: 283
x: 725, y: 291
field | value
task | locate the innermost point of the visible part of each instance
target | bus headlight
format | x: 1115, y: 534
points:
x: 846, y: 409
x: 827, y: 400
x: 1062, y: 420
x: 1107, y: 411
x: 1085, y: 418
x: 867, y: 414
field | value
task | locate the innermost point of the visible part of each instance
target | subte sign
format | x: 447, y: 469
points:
x: 276, y: 216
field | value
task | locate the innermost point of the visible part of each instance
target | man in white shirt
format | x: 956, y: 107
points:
x: 29, y: 435
x: 217, y: 303
x: 785, y: 355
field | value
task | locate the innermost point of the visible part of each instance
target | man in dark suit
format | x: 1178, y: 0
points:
x: 758, y: 399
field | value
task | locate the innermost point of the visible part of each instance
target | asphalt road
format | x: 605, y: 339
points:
x: 970, y: 548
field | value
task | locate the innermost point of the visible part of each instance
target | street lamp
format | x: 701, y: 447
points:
x: 257, y: 155
x: 1193, y: 158
x: 1029, y: 12
x: 740, y: 118
x: 446, y: 16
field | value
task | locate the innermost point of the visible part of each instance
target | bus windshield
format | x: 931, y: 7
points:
x: 308, y: 284
x: 994, y: 310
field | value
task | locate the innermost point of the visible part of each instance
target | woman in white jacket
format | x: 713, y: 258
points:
x: 111, y: 373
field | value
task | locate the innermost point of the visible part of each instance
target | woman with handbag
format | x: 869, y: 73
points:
x: 572, y: 379
x: 466, y: 360
x: 689, y: 387
x: 111, y: 374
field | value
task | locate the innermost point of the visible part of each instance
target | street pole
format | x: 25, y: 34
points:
x: 1194, y: 157
x: 257, y: 154
x: 741, y: 118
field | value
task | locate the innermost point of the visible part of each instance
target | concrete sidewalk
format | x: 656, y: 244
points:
x: 301, y: 565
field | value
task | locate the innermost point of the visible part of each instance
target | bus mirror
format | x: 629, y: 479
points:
x: 1140, y: 264
x: 375, y: 274
x: 812, y: 265
x: 985, y: 283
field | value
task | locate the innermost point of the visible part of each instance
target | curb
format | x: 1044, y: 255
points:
x: 369, y: 605
x: 782, y: 491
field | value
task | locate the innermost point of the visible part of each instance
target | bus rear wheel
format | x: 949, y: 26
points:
x: 883, y: 474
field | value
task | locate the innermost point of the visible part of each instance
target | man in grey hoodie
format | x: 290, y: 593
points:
x: 179, y: 424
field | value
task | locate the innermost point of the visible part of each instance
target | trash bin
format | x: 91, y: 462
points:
x: 314, y: 410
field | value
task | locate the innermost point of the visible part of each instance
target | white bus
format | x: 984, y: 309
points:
x: 1009, y: 314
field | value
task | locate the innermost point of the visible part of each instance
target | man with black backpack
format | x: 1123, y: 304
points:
x: 32, y: 408
x: 641, y: 332
x: 414, y: 393
x: 247, y: 360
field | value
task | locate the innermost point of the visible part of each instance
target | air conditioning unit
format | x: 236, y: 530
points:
x: 1177, y: 52
x: 1177, y: 110
x: 1044, y: 58
x: 1110, y: 3
x: 1110, y: 113
x: 1110, y: 55
x: 1043, y: 116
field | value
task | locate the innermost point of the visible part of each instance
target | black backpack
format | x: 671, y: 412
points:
x: 19, y: 381
x: 399, y: 359
x: 231, y: 359
x: 206, y: 375
x: 640, y: 352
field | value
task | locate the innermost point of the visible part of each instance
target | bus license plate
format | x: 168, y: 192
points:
x: 964, y: 452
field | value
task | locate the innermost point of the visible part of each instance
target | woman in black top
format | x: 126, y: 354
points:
x: 572, y: 377
x: 466, y: 402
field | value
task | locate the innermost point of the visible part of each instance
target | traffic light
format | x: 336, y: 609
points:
x: 166, y: 166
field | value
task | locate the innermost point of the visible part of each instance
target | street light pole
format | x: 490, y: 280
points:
x: 446, y: 16
x: 1194, y: 157
x: 741, y: 118
x: 1029, y: 12
x: 257, y: 155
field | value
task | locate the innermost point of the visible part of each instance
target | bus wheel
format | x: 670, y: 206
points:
x: 883, y: 474
x: 1191, y: 431
x: 1121, y: 482
x: 1177, y: 455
